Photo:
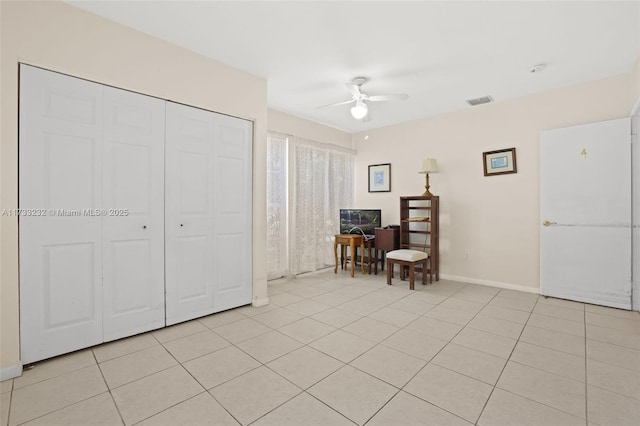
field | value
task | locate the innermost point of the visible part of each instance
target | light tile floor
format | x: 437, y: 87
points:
x: 336, y: 350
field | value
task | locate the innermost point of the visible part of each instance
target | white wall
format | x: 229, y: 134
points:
x: 288, y: 124
x: 635, y: 161
x: 62, y: 38
x: 494, y: 219
x: 635, y: 185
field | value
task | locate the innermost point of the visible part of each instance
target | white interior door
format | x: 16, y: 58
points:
x: 232, y: 212
x: 60, y: 172
x: 133, y: 243
x: 189, y: 220
x: 585, y: 201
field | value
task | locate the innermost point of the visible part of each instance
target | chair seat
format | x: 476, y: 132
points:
x: 407, y: 255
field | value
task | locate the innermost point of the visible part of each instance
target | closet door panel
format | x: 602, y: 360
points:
x: 233, y: 213
x: 189, y: 213
x: 133, y: 243
x: 60, y: 174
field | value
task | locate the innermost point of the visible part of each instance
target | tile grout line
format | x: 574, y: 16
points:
x: 104, y: 379
x: 302, y: 391
x: 80, y: 401
x: 165, y: 369
x: 65, y: 406
x: 349, y: 363
x: 586, y: 374
x: 280, y: 375
x: 205, y: 390
x: 450, y: 341
x: 430, y: 359
x: 399, y: 389
x: 506, y: 363
x: 10, y: 402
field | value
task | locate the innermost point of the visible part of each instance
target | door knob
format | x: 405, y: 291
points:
x: 547, y: 223
x: 144, y: 226
x: 181, y: 225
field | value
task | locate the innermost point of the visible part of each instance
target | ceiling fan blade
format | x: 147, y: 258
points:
x: 337, y: 103
x: 354, y: 89
x: 381, y: 98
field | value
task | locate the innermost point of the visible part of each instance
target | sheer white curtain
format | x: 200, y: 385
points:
x: 323, y: 184
x: 307, y: 184
x: 277, y: 258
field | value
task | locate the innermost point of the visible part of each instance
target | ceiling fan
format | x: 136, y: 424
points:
x: 360, y: 109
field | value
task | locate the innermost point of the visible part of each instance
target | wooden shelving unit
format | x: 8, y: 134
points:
x: 419, y: 228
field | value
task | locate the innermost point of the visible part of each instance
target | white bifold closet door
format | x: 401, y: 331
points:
x: 86, y: 277
x: 208, y: 212
x: 133, y: 244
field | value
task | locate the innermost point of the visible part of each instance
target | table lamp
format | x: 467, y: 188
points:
x: 429, y: 165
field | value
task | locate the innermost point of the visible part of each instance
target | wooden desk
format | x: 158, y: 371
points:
x: 352, y: 240
x: 387, y: 239
x: 371, y: 257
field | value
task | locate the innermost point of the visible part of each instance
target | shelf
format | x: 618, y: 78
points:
x: 425, y: 211
x: 417, y: 197
x: 418, y: 220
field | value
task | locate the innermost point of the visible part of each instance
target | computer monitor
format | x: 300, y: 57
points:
x: 360, y: 221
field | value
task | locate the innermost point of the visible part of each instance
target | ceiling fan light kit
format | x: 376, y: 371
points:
x: 360, y: 110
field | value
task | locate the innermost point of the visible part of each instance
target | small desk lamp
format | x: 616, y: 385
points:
x: 429, y: 165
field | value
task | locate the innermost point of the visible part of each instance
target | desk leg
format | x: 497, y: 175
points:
x: 335, y: 254
x: 375, y: 257
x: 353, y: 257
x: 343, y: 257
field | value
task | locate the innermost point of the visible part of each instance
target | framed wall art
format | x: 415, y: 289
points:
x: 500, y: 162
x: 380, y: 178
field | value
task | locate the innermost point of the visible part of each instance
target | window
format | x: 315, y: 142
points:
x: 320, y: 183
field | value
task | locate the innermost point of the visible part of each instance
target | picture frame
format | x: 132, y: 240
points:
x: 500, y: 162
x: 380, y: 178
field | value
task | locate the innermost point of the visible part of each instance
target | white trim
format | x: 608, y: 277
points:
x: 507, y: 286
x: 11, y: 372
x: 260, y: 302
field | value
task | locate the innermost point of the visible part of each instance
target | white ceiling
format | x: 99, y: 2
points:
x: 440, y: 53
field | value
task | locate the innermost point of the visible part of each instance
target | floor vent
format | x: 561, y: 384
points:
x: 480, y: 101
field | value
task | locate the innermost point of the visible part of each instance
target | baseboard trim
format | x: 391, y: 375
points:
x: 507, y: 286
x: 260, y: 302
x: 11, y: 372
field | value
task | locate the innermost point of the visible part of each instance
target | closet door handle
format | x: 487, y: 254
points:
x: 181, y: 225
x: 144, y: 226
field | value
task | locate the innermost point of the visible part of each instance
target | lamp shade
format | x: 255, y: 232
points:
x: 429, y: 165
x: 359, y: 110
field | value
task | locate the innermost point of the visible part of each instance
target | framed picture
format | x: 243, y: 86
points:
x: 380, y: 178
x: 500, y: 162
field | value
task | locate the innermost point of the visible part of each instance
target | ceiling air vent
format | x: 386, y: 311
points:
x: 480, y: 101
